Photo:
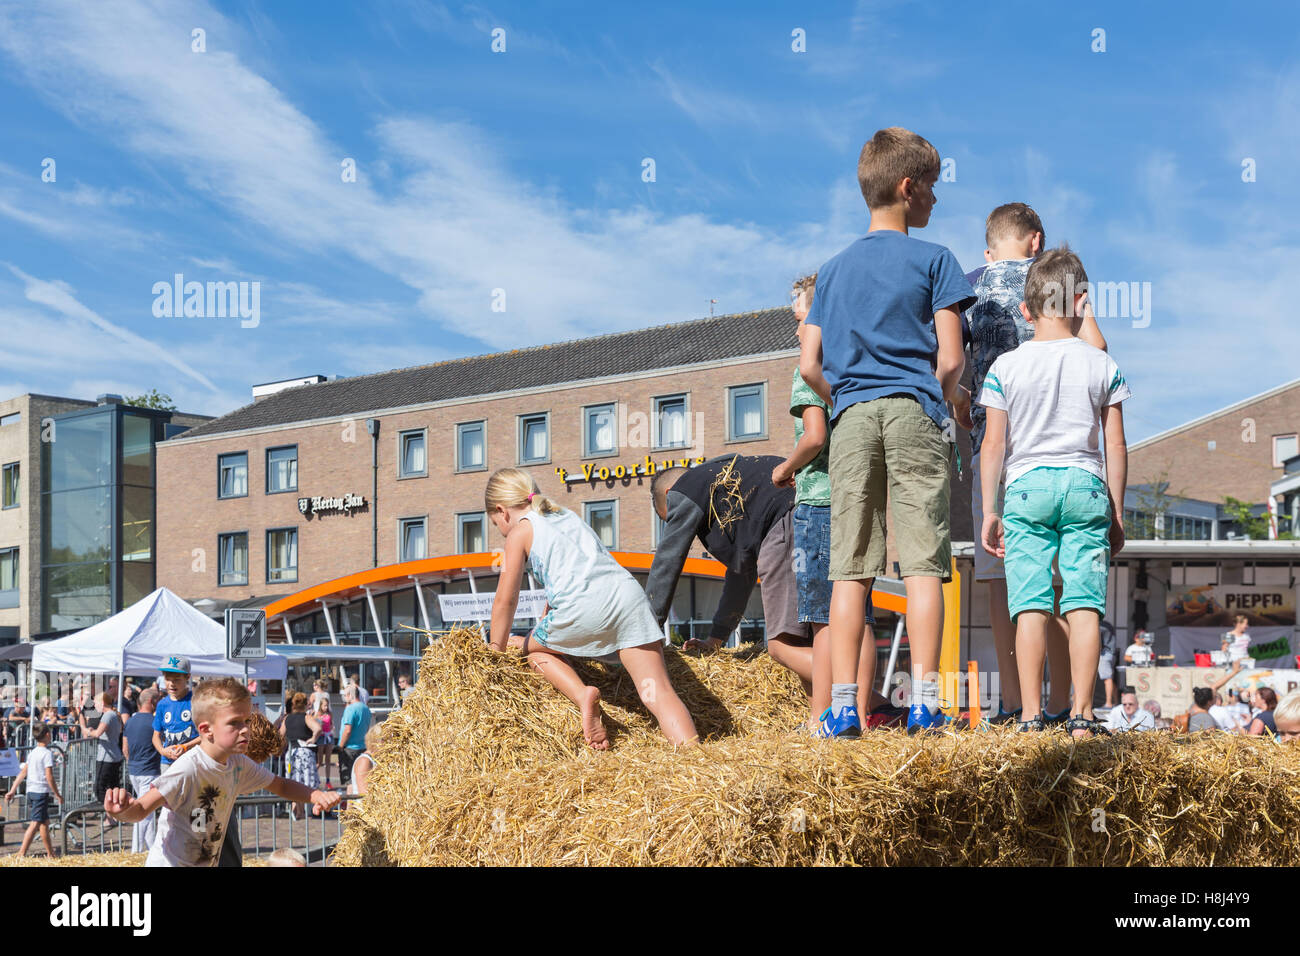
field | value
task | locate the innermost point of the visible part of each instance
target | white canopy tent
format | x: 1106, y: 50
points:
x: 135, y: 641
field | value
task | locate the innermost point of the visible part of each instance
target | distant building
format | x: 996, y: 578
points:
x: 76, y: 509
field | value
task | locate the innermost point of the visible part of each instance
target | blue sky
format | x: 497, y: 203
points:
x: 522, y: 171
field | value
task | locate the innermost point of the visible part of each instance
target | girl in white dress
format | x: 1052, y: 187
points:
x: 594, y: 607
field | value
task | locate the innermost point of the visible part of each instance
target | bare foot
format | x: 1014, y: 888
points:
x: 593, y: 728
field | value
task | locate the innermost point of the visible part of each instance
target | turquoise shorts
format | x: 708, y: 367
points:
x: 1051, y: 510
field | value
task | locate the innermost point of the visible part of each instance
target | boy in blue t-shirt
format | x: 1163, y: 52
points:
x: 883, y: 346
x: 173, y: 723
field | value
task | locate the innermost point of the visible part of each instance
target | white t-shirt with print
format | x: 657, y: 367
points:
x: 200, y: 794
x: 1053, y: 393
x: 39, y: 758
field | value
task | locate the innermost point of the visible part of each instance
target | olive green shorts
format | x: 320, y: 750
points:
x: 889, y: 449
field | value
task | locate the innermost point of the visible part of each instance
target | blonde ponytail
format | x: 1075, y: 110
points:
x: 511, y: 487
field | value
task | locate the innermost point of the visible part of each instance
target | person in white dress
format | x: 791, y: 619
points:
x: 594, y: 607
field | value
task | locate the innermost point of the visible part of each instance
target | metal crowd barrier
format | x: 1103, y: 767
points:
x: 264, y: 826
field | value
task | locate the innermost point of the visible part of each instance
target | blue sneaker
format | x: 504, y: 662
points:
x: 920, y: 718
x: 845, y: 726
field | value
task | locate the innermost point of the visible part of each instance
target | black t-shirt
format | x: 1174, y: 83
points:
x: 296, y: 729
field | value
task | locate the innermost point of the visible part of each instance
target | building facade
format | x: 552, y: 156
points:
x: 21, y: 530
x: 76, y: 526
x: 315, y: 482
x: 1238, y: 451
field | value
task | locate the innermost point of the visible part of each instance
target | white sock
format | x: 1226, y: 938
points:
x: 926, y: 692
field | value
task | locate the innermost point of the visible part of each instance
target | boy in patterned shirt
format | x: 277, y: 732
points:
x: 1014, y: 236
x: 197, y: 793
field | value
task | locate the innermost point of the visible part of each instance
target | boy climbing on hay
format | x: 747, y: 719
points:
x: 594, y: 607
x: 731, y: 506
x: 197, y: 793
x: 805, y: 471
x: 1047, y: 402
x: 883, y: 347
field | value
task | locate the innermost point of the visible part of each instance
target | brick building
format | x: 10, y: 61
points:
x: 318, y: 481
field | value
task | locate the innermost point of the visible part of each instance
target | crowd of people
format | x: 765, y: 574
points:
x: 171, y: 761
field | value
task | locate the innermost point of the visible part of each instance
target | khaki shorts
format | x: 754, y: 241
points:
x: 889, y: 449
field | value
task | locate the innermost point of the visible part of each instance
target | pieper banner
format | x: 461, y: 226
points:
x: 1217, y: 605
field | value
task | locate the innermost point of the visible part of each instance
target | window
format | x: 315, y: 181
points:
x: 281, y: 555
x: 534, y: 439
x: 412, y: 541
x: 471, y: 532
x: 232, y: 557
x: 281, y: 469
x: 599, y: 424
x: 411, y: 462
x: 670, y: 422
x: 13, y: 418
x: 471, y: 450
x: 232, y: 475
x: 9, y: 577
x: 9, y: 485
x: 1284, y: 447
x: 745, y: 418
x: 603, y: 518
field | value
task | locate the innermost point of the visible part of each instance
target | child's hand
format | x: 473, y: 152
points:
x: 324, y: 801
x: 991, y: 536
x: 116, y: 801
x: 961, y: 408
x: 174, y: 752
x: 9, y: 796
x: 1116, y: 536
x: 783, y: 475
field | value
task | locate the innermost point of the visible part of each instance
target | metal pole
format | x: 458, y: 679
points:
x: 379, y: 633
x: 473, y: 589
x: 893, y: 657
x: 329, y: 622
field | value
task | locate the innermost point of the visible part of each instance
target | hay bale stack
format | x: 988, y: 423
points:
x: 485, y: 765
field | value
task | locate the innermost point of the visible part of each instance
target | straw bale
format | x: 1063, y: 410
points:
x: 484, y: 764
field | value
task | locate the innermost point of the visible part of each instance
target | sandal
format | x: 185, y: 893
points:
x: 1079, y: 722
x: 1033, y: 724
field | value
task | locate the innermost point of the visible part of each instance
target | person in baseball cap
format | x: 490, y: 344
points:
x: 175, y: 664
x: 173, y: 724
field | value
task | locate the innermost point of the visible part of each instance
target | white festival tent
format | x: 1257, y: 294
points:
x: 136, y: 639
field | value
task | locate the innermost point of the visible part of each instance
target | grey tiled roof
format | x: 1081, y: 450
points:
x: 623, y: 353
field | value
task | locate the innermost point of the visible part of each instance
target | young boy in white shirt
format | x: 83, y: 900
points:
x: 1046, y: 404
x: 38, y: 771
x: 198, y: 791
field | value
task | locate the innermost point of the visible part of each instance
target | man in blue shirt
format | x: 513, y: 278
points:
x: 143, y: 764
x: 352, y: 733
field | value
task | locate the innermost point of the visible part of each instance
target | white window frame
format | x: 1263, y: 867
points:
x: 587, y: 506
x: 402, y: 435
x: 731, y: 412
x: 402, y: 524
x: 1277, y: 461
x: 16, y: 467
x: 460, y: 427
x: 656, y: 441
x: 521, y: 436
x: 586, y: 435
x: 461, y: 520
